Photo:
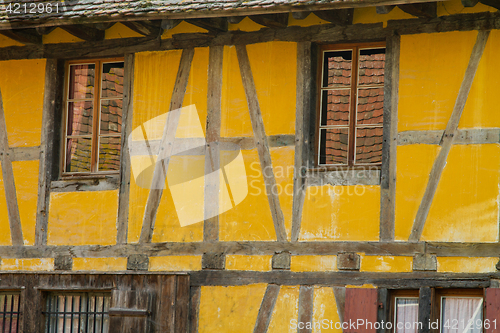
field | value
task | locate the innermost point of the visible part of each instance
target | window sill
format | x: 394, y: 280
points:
x: 81, y: 184
x: 345, y: 177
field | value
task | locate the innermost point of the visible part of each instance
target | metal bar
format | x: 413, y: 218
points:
x: 64, y: 314
x: 11, y: 312
x: 102, y: 316
x: 80, y: 316
x: 57, y: 315
x: 18, y: 312
x: 4, y: 312
x: 86, y: 315
x: 72, y: 309
x: 48, y: 317
x: 95, y: 312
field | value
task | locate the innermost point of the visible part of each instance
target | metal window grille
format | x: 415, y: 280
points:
x: 77, y: 313
x: 9, y: 312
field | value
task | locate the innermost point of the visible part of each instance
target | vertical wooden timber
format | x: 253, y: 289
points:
x: 266, y: 308
x: 424, y: 308
x: 361, y: 304
x: 303, y: 108
x: 194, y: 309
x: 124, y: 194
x: 339, y: 294
x: 448, y: 137
x: 212, y: 152
x: 166, y: 146
x: 8, y: 181
x: 384, y: 305
x: 492, y: 309
x: 261, y: 142
x: 389, y: 146
x: 306, y: 308
x: 182, y: 304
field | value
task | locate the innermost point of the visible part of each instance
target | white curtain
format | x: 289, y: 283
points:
x: 461, y: 315
x: 406, y: 315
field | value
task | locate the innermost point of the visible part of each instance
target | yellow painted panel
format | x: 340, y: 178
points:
x: 274, y: 69
x: 118, y: 30
x: 313, y: 263
x: 60, y: 36
x: 334, y: 213
x: 83, y: 218
x: 369, y: 15
x: 414, y: 163
x: 465, y: 206
x: 5, y: 237
x: 365, y: 286
x: 248, y: 263
x: 230, y: 309
x: 251, y: 219
x: 138, y: 198
x: 285, y: 310
x: 283, y: 161
x: 466, y: 264
x: 432, y: 67
x: 386, y: 264
x: 311, y: 19
x: 22, y: 84
x: 100, y: 264
x: 26, y: 179
x: 175, y: 263
x: 6, y: 41
x: 44, y: 264
x: 246, y: 25
x: 455, y: 7
x: 182, y: 28
x: 325, y: 314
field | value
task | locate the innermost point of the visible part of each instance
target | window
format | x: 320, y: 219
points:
x: 351, y: 103
x: 77, y: 312
x: 93, y: 117
x: 405, y: 311
x: 9, y: 312
x: 461, y: 312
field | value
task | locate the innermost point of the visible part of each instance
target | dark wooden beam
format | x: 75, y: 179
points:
x: 275, y: 21
x: 168, y: 24
x: 86, y: 33
x: 300, y: 15
x: 385, y: 9
x: 103, y: 26
x: 23, y: 36
x: 144, y: 28
x: 216, y: 24
x: 44, y: 30
x: 266, y: 308
x: 235, y: 19
x: 339, y: 16
x: 306, y: 308
x: 421, y: 10
x: 491, y: 3
x: 469, y: 3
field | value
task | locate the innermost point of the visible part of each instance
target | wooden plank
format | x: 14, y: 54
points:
x: 302, y: 118
x: 422, y: 10
x: 383, y: 308
x: 448, y: 137
x: 84, y: 32
x: 9, y: 183
x: 361, y: 304
x: 212, y: 151
x: 339, y: 294
x: 161, y: 167
x: 306, y: 308
x: 492, y: 309
x: 24, y: 153
x: 168, y: 305
x: 261, y: 142
x: 389, y: 146
x: 97, y: 184
x: 266, y: 308
x: 425, y: 308
x: 182, y: 304
x: 276, y: 21
x: 125, y: 167
x: 368, y: 176
x: 23, y: 36
x: 463, y: 136
x: 194, y: 309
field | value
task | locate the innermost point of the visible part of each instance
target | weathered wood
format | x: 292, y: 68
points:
x: 469, y: 3
x: 48, y: 30
x: 300, y: 15
x: 235, y: 19
x: 422, y: 10
x: 8, y: 182
x: 76, y: 185
x: 194, y: 309
x: 339, y: 295
x: 137, y: 262
x: 361, y: 303
x: 306, y: 307
x: 492, y: 309
x: 213, y: 261
x: 144, y: 28
x: 23, y: 36
x: 346, y: 177
x: 276, y: 21
x: 463, y: 136
x: 281, y: 260
x: 348, y: 261
x: 303, y: 109
x: 182, y: 304
x: 390, y: 136
x: 424, y: 262
x: 383, y: 308
x: 167, y: 24
x: 163, y: 159
x: 266, y: 308
x: 125, y: 167
x: 212, y: 151
x: 385, y: 9
x: 425, y: 308
x: 24, y: 153
x: 218, y: 24
x: 339, y: 16
x: 84, y: 32
x: 448, y: 137
x: 261, y: 142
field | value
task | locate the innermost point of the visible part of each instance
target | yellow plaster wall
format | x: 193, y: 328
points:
x: 369, y: 15
x: 313, y: 263
x: 285, y: 310
x: 175, y: 263
x: 5, y: 236
x: 248, y: 263
x: 245, y: 25
x: 30, y: 264
x: 334, y: 213
x: 83, y: 218
x: 182, y: 28
x: 325, y: 314
x: 386, y: 264
x: 311, y: 19
x: 26, y: 180
x: 466, y: 264
x: 118, y: 30
x: 22, y: 85
x: 60, y: 36
x: 6, y: 41
x: 283, y: 161
x: 230, y: 309
x: 100, y: 264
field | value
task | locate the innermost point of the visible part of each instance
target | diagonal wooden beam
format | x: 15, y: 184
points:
x: 339, y: 294
x: 215, y: 24
x: 84, y: 32
x: 491, y: 3
x: 24, y: 36
x: 306, y: 308
x: 337, y: 16
x: 448, y: 136
x: 469, y: 3
x: 261, y: 142
x: 124, y: 193
x: 275, y: 21
x: 421, y: 10
x: 266, y: 308
x: 163, y: 158
x: 145, y: 28
x: 303, y: 108
x: 8, y: 182
x: 212, y: 151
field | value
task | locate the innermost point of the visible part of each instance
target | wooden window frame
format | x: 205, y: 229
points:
x: 409, y: 293
x: 460, y: 293
x: 6, y: 313
x: 94, y: 173
x: 355, y: 47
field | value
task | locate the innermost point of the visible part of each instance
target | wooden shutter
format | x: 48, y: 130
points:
x: 492, y: 310
x: 130, y: 310
x: 360, y: 304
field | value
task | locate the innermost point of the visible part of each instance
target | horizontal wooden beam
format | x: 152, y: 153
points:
x: 77, y: 185
x: 216, y: 24
x: 339, y: 16
x: 277, y: 21
x: 24, y: 153
x: 464, y: 137
x: 145, y: 28
x: 422, y: 10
